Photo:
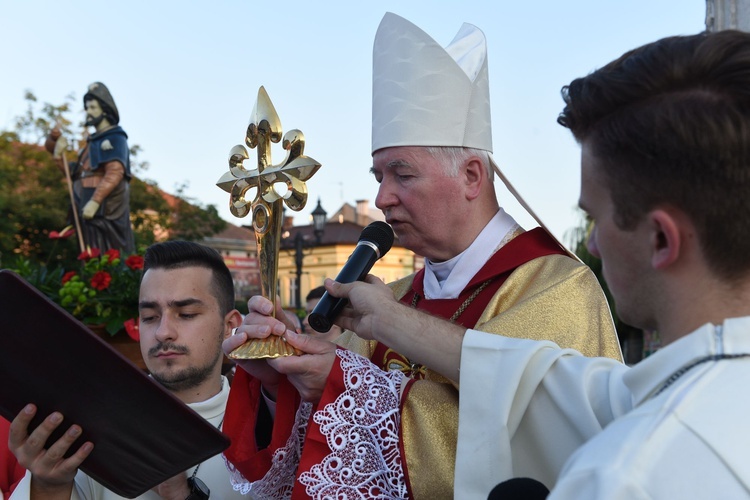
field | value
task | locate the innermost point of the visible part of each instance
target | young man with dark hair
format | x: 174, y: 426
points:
x: 665, y: 172
x: 186, y: 308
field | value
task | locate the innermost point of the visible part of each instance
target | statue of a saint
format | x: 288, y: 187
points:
x: 101, y: 176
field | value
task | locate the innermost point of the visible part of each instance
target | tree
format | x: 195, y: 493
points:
x: 34, y: 125
x: 33, y: 203
x: 193, y: 221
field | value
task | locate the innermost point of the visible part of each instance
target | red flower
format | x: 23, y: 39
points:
x: 113, y: 254
x: 101, y: 280
x: 134, y: 262
x: 132, y: 327
x: 89, y: 254
x: 65, y: 233
x: 66, y: 277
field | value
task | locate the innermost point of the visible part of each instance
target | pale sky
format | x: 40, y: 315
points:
x: 185, y: 76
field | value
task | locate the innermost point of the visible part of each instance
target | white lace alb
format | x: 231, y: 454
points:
x: 362, y: 430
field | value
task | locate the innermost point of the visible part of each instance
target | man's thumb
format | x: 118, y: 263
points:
x: 306, y: 342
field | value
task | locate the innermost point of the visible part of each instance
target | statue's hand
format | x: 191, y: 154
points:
x: 60, y: 146
x: 89, y: 210
x: 52, y: 137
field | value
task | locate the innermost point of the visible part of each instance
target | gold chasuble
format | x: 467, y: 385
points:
x: 528, y: 289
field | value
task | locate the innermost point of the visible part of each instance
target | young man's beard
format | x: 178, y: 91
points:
x: 187, y: 378
x: 184, y: 379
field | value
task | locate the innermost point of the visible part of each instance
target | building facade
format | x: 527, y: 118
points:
x: 325, y: 258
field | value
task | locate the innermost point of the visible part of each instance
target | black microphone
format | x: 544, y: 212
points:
x: 519, y: 488
x: 374, y: 242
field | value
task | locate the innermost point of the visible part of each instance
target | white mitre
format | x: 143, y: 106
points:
x: 427, y: 95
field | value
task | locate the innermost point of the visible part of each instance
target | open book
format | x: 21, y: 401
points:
x: 142, y: 434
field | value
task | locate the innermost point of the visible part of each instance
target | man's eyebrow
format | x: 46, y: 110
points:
x: 392, y: 164
x: 397, y: 163
x: 148, y: 304
x: 185, y: 302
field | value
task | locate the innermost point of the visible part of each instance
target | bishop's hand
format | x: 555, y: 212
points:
x: 259, y: 324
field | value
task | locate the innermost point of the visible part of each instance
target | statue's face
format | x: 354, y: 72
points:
x: 94, y: 112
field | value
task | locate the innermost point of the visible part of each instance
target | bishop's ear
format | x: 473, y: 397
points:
x: 474, y: 172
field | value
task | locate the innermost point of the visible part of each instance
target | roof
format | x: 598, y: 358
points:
x: 233, y: 238
x: 232, y: 232
x: 349, y: 212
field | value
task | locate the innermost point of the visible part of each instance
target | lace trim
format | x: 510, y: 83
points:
x: 279, y: 480
x: 362, y: 430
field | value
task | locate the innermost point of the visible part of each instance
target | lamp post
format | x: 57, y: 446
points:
x: 319, y: 221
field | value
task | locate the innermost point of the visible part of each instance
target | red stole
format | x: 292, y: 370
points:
x: 488, y: 280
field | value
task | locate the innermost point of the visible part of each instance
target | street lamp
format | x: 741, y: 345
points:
x: 319, y: 221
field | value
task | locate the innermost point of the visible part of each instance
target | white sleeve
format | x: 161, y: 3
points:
x: 23, y: 490
x: 270, y: 403
x: 592, y: 485
x: 525, y: 406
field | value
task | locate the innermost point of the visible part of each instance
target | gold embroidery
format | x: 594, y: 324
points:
x: 395, y: 361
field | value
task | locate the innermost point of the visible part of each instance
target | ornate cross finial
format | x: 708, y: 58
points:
x: 273, y: 186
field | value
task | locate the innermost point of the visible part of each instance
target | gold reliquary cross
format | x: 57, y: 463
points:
x: 262, y: 192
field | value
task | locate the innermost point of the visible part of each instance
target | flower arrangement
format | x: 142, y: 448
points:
x: 104, y: 291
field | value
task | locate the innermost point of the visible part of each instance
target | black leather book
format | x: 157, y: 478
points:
x: 142, y: 434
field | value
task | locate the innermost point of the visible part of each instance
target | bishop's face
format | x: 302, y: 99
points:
x: 420, y: 201
x: 94, y: 113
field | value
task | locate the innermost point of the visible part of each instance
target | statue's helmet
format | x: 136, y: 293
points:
x: 100, y: 92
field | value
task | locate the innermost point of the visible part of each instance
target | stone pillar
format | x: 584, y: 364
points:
x: 727, y: 14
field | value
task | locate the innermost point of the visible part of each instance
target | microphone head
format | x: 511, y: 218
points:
x: 379, y: 233
x: 519, y: 488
